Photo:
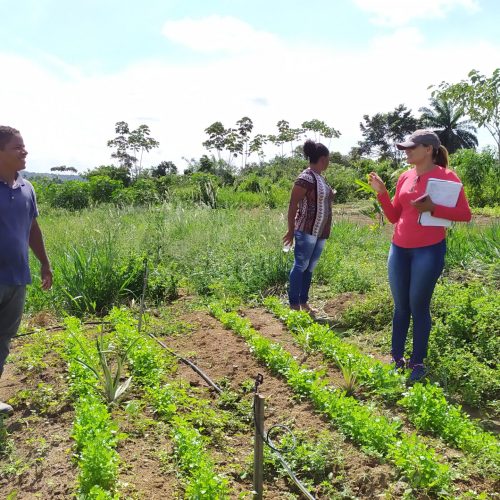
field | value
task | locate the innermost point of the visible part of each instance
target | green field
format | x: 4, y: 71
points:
x: 215, y: 288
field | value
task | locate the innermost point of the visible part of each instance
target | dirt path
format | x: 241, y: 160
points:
x: 142, y: 475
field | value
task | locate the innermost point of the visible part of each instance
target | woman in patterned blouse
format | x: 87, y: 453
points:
x: 309, y: 222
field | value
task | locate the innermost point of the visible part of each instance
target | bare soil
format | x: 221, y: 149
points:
x: 40, y: 465
x: 223, y: 355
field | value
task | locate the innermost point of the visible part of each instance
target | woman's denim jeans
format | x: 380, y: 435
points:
x: 413, y: 273
x: 308, y: 250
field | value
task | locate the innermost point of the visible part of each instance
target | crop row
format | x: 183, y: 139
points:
x: 151, y: 368
x: 426, y: 405
x: 376, y: 434
x: 94, y: 431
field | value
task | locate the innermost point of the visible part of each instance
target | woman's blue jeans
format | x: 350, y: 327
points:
x: 307, y: 252
x: 413, y: 273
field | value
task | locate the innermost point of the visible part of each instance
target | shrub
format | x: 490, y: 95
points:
x: 102, y: 187
x: 460, y: 372
x: 480, y: 173
x: 163, y: 284
x: 115, y: 173
x: 374, y: 311
x: 144, y: 192
x: 71, y: 195
x: 95, y: 276
x: 251, y: 183
x: 466, y: 317
x: 342, y: 179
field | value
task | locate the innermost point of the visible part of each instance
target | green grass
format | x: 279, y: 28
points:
x: 98, y: 254
x: 475, y: 251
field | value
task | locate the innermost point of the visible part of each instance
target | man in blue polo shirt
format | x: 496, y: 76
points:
x: 19, y: 231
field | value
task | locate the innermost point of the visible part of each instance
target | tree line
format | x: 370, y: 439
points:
x: 454, y: 113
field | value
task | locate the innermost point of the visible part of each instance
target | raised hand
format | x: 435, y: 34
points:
x: 376, y: 183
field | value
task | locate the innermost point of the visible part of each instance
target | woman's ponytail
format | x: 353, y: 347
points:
x: 440, y: 156
x: 313, y: 151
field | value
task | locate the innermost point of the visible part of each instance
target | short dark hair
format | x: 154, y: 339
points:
x: 313, y: 151
x: 6, y: 134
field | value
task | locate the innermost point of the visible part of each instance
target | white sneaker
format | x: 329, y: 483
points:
x: 6, y: 409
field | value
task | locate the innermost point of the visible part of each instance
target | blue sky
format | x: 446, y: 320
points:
x: 70, y: 70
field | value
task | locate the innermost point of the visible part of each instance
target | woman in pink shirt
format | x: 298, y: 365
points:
x: 416, y: 257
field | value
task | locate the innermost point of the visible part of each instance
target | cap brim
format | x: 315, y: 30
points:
x: 405, y: 145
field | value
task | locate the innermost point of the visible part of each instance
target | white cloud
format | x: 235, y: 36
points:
x: 401, y: 12
x: 409, y: 39
x: 218, y: 34
x: 67, y: 118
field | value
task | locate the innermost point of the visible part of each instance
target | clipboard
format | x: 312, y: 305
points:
x: 443, y: 193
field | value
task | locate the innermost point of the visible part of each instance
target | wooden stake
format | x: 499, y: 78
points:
x: 258, y: 457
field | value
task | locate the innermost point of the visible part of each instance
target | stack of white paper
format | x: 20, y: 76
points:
x: 443, y: 193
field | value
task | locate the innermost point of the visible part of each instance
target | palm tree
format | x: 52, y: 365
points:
x: 446, y: 121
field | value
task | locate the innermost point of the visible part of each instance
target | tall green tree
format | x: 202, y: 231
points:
x: 286, y: 135
x: 382, y: 131
x: 217, y: 137
x: 446, y: 120
x: 236, y: 141
x: 321, y: 129
x: 479, y: 97
x: 122, y: 145
x: 245, y: 127
x: 257, y: 145
x: 140, y: 142
x: 130, y: 143
x: 233, y: 144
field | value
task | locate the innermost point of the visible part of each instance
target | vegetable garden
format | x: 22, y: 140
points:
x: 104, y: 411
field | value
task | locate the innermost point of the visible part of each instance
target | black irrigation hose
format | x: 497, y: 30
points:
x: 296, y: 480
x: 259, y: 380
x: 266, y: 438
x: 58, y: 327
x: 203, y: 375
